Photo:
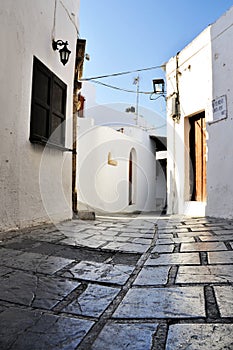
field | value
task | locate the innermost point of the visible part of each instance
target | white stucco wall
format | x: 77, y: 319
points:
x: 220, y: 152
x: 105, y: 187
x: 26, y: 31
x: 195, y: 86
x: 161, y: 187
x: 204, y: 74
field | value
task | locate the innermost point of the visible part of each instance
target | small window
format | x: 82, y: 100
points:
x: 48, y: 109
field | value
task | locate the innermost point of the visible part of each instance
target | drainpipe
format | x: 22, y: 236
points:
x: 176, y: 119
x: 177, y: 89
x: 174, y: 167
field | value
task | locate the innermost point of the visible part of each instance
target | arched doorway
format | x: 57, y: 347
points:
x: 132, y: 177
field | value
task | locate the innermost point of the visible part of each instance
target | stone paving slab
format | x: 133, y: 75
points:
x: 93, y: 301
x: 108, y: 238
x: 205, y: 274
x: 136, y: 234
x: 148, y: 231
x: 144, y: 241
x: 223, y: 232
x: 222, y: 224
x: 112, y: 232
x: 162, y: 240
x: 201, y: 228
x: 180, y: 302
x: 202, y: 247
x: 34, y: 262
x: 91, y: 271
x: 14, y: 322
x: 4, y: 271
x: 163, y: 248
x: 172, y: 230
x: 7, y: 255
x: 126, y: 247
x: 131, y: 231
x: 152, y: 276
x: 165, y: 235
x: 123, y: 258
x: 30, y: 290
x: 2, y: 308
x: 173, y: 259
x: 46, y: 236
x: 162, y: 227
x: 224, y: 296
x: 200, y: 336
x: 124, y: 336
x: 92, y: 243
x: 220, y: 257
x: 118, y: 230
x: 78, y: 235
x: 220, y: 238
x: 34, y: 330
x: 195, y: 234
x: 77, y: 225
x: 21, y: 243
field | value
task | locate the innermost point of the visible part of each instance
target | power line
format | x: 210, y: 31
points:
x: 70, y: 17
x: 121, y: 89
x: 151, y: 93
x: 122, y: 73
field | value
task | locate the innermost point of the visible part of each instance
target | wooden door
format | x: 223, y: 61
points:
x: 198, y: 156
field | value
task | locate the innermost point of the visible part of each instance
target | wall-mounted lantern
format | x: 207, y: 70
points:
x: 158, y: 86
x: 64, y: 51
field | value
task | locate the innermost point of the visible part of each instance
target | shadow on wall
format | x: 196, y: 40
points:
x: 173, y: 195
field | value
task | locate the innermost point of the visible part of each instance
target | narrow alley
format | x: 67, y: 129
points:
x: 138, y: 282
x: 116, y: 109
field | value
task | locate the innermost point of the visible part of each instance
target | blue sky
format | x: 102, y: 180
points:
x: 133, y: 34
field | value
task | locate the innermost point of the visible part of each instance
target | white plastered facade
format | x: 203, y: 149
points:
x: 204, y: 71
x: 35, y: 185
x: 103, y: 169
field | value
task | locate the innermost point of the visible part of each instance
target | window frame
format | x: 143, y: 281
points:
x: 44, y: 137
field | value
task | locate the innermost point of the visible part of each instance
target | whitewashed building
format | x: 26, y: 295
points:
x: 200, y: 123
x: 36, y: 180
x: 117, y: 170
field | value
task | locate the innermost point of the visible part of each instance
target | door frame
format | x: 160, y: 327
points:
x: 197, y: 154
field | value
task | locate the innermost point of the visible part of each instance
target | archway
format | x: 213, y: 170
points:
x: 132, y: 177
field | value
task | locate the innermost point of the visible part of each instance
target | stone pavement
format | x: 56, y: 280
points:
x: 139, y: 282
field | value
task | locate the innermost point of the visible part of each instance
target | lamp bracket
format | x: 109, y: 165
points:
x: 64, y: 51
x: 57, y: 43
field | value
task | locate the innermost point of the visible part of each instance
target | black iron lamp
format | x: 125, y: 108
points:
x: 158, y: 86
x: 64, y: 51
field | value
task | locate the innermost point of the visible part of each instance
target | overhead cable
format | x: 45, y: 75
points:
x: 122, y: 73
x: 121, y: 89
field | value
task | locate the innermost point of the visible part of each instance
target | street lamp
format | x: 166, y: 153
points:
x: 158, y: 86
x: 64, y: 51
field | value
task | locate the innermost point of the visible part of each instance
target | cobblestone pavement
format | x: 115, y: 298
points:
x: 118, y: 283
